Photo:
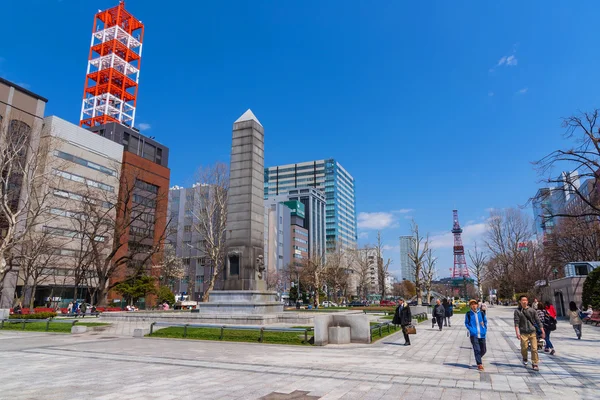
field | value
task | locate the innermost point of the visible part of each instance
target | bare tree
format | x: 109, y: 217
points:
x: 210, y: 218
x: 22, y: 194
x: 513, y: 257
x: 417, y: 255
x: 37, y: 257
x: 583, y: 157
x: 478, y: 267
x: 382, y: 267
x: 428, y: 273
x: 121, y: 231
x: 170, y: 266
x: 313, y: 274
x: 337, y: 271
x: 362, y: 262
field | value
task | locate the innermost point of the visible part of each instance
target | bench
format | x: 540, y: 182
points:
x: 595, y: 318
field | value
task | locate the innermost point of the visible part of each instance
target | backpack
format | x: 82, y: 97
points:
x: 549, y: 322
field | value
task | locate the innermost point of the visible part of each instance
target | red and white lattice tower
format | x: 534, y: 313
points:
x: 460, y: 263
x: 111, y: 83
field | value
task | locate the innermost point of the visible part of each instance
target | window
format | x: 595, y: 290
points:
x: 81, y: 179
x: 146, y: 186
x: 85, y: 163
x: 187, y: 228
x: 199, y: 279
x: 144, y: 201
x: 69, y: 233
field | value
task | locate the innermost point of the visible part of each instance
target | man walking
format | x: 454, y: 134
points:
x: 476, y: 323
x: 527, y: 323
x: 403, y: 317
x: 438, y: 313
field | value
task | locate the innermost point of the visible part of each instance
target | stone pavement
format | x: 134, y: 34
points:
x: 439, y: 365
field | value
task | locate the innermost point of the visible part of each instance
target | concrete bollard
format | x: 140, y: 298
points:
x: 140, y: 332
x: 78, y: 329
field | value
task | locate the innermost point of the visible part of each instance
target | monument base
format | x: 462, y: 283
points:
x: 241, y: 302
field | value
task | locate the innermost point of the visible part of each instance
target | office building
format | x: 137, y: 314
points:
x: 21, y: 111
x: 184, y: 235
x: 338, y: 186
x: 82, y: 171
x: 313, y: 210
x: 407, y: 266
x: 550, y: 201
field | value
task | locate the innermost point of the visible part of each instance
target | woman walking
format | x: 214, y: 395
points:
x: 549, y: 323
x: 575, y: 319
x: 448, y: 307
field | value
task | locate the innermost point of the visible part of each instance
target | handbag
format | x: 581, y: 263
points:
x: 582, y: 315
x: 411, y: 330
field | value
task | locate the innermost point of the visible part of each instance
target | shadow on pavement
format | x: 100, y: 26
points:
x: 459, y: 365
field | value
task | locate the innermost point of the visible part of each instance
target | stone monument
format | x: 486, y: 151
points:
x: 245, y: 288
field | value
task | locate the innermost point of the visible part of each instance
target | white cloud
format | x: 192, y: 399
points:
x: 403, y: 211
x: 144, y: 126
x: 470, y: 233
x: 523, y: 91
x: 490, y: 94
x: 502, y: 61
x: 376, y: 220
x: 363, y: 235
x: 511, y: 61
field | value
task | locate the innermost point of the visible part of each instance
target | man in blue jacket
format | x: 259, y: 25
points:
x: 476, y: 323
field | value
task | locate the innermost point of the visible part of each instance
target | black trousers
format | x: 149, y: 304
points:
x: 440, y: 321
x: 406, y: 335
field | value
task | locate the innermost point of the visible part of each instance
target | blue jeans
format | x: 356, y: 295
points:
x: 479, y: 348
x: 548, y: 342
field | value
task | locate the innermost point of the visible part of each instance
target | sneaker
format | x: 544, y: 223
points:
x: 524, y: 361
x: 407, y: 344
x: 546, y: 350
x: 552, y: 352
x: 480, y: 367
x: 535, y: 367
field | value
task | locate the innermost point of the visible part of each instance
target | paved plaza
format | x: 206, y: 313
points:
x: 439, y: 365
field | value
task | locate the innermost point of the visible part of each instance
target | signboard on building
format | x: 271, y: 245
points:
x: 296, y: 206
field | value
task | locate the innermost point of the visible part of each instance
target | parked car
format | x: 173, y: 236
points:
x: 358, y: 303
x: 387, y: 303
x: 329, y: 304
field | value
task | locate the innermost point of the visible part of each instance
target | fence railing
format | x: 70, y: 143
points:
x: 380, y: 327
x: 25, y: 321
x: 261, y: 329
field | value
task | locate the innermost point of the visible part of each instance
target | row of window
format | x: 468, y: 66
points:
x: 84, y: 162
x: 74, y: 196
x: 81, y: 179
x: 303, y: 233
x: 146, y: 186
x: 301, y: 248
x: 69, y: 233
x: 296, y: 239
x: 140, y: 231
x: 143, y: 200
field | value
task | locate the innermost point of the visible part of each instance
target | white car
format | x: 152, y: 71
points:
x: 328, y: 304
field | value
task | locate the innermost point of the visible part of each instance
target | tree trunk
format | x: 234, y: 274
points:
x: 102, y: 292
x: 32, y: 297
x: 211, y: 285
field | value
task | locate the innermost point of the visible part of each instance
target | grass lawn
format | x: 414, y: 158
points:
x: 461, y: 310
x: 41, y: 326
x: 384, y: 332
x: 251, y: 336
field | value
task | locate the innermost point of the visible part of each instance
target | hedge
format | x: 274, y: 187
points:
x: 591, y: 290
x: 42, y: 315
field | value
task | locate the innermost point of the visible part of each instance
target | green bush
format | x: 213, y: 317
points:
x: 165, y: 295
x: 42, y: 315
x: 591, y: 290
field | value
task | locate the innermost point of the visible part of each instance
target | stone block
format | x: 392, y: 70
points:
x: 4, y: 313
x: 339, y: 334
x: 360, y: 331
x: 78, y: 329
x: 140, y: 332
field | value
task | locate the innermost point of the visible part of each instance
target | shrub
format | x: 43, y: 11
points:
x: 42, y: 315
x: 591, y: 290
x: 165, y: 295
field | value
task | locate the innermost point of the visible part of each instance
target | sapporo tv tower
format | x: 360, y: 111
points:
x: 113, y: 70
x: 460, y: 272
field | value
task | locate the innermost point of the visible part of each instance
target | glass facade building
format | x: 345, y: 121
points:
x: 337, y: 184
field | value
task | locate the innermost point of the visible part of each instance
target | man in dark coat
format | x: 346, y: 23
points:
x: 403, y: 317
x: 438, y: 313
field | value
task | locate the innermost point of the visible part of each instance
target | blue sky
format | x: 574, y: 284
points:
x: 429, y: 105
